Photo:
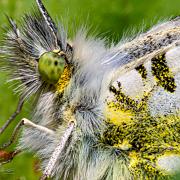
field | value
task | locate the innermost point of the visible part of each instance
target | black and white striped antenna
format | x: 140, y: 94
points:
x: 49, y: 21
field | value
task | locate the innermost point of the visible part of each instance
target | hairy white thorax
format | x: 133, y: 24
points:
x: 123, y: 100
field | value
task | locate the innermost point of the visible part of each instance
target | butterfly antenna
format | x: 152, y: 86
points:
x: 49, y: 22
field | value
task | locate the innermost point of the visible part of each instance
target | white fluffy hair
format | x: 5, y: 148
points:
x: 96, y: 68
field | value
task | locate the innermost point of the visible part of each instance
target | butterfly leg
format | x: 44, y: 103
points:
x: 64, y: 138
x: 27, y: 123
x: 14, y: 115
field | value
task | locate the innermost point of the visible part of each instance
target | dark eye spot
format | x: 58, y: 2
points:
x: 55, y: 63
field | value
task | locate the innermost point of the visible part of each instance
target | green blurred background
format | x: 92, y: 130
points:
x: 108, y: 18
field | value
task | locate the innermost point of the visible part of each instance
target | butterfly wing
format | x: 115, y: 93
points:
x: 143, y: 104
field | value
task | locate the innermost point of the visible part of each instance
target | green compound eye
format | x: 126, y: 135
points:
x: 50, y: 67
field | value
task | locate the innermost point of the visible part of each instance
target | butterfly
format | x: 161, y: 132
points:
x: 101, y: 112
